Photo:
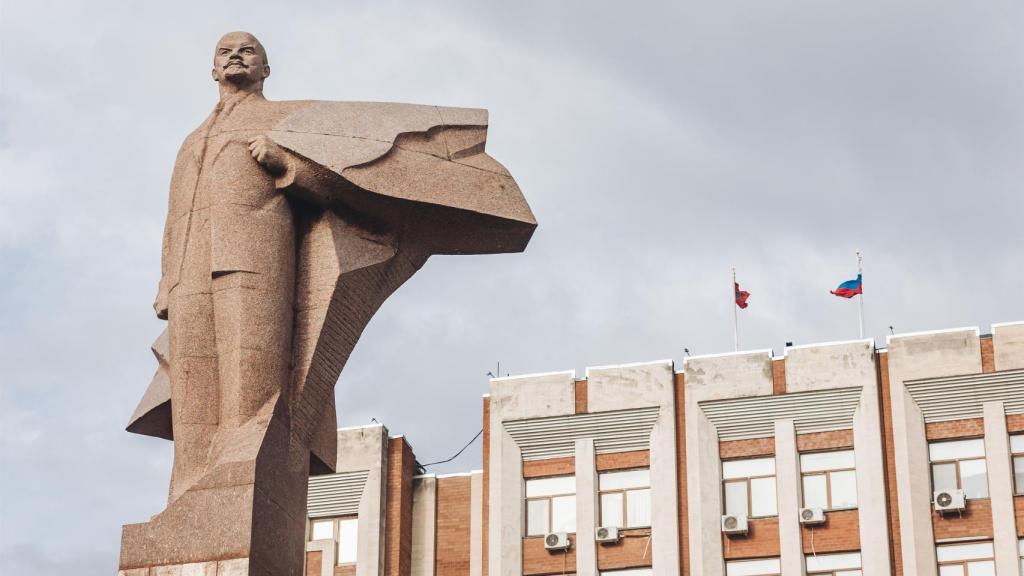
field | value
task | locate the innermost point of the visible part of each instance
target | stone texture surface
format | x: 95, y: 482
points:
x: 288, y: 225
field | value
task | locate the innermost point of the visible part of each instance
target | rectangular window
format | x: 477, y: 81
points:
x: 748, y: 487
x: 628, y: 572
x: 1017, y: 449
x: 959, y: 465
x: 625, y: 498
x: 829, y: 480
x: 759, y: 567
x: 973, y: 559
x: 345, y: 533
x: 1020, y: 549
x: 550, y: 505
x: 846, y: 564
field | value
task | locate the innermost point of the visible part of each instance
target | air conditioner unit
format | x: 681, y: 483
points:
x: 950, y: 501
x: 812, y: 516
x: 606, y: 534
x: 557, y: 541
x: 734, y: 524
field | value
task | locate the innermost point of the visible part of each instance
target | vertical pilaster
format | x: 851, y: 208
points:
x: 1000, y: 489
x: 424, y: 524
x: 787, y: 478
x: 586, y: 508
x: 476, y: 529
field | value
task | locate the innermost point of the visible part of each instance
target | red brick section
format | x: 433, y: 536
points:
x: 451, y: 544
x: 346, y: 570
x: 988, y: 354
x: 816, y: 441
x: 732, y: 449
x: 398, y: 517
x: 314, y: 563
x: 549, y: 467
x: 537, y: 560
x: 840, y: 533
x: 486, y: 484
x: 970, y: 428
x: 779, y: 376
x: 581, y: 396
x: 623, y: 460
x: 1014, y: 423
x: 1018, y: 509
x: 684, y: 534
x: 632, y: 551
x: 975, y: 521
x: 762, y: 540
x: 895, y: 548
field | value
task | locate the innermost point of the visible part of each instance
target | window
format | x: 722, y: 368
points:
x: 847, y: 564
x: 749, y: 487
x: 966, y: 559
x: 626, y: 498
x: 829, y: 480
x: 1017, y: 448
x: 550, y: 505
x: 628, y: 572
x: 347, y: 539
x: 761, y: 567
x: 959, y: 465
x: 1020, y: 548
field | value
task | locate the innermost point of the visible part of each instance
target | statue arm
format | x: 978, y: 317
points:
x: 306, y: 180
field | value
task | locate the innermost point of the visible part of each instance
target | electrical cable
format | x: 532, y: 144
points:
x: 457, y: 454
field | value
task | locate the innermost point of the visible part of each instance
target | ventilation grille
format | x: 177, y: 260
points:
x: 754, y: 417
x: 335, y: 494
x: 962, y: 397
x: 555, y: 437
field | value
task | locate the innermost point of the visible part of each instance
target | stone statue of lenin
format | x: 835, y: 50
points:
x: 288, y: 225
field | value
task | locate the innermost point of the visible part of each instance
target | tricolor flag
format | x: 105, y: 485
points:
x: 741, y: 295
x: 850, y: 288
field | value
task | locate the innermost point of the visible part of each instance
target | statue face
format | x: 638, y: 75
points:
x: 241, y: 60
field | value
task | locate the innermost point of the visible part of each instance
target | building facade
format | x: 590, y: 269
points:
x: 836, y: 459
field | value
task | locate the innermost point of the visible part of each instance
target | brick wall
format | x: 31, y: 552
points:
x: 895, y: 550
x: 486, y: 483
x: 398, y: 517
x: 1018, y: 509
x: 975, y: 521
x: 834, y: 440
x: 684, y: 534
x: 581, y: 396
x: 762, y: 540
x: 970, y: 428
x: 731, y: 449
x: 623, y: 460
x: 314, y: 563
x: 988, y: 355
x: 549, y: 467
x: 840, y: 533
x: 779, y: 376
x: 538, y: 560
x: 451, y: 544
x: 632, y: 551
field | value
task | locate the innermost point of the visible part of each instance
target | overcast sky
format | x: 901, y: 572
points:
x: 658, y: 144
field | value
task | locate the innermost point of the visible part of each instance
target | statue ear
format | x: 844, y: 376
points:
x: 266, y: 71
x: 213, y: 73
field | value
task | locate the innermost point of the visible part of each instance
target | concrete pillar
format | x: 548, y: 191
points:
x: 370, y: 553
x: 424, y: 522
x: 703, y: 494
x: 787, y: 482
x: 665, y: 491
x: 586, y: 508
x: 1000, y: 489
x: 1008, y: 345
x: 505, y: 543
x: 476, y: 519
x: 871, y: 489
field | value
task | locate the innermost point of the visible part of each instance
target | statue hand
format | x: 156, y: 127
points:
x: 269, y: 155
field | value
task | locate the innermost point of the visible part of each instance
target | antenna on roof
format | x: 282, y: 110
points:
x: 497, y: 371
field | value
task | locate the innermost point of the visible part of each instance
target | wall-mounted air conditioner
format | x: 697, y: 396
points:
x: 557, y: 541
x: 606, y: 534
x: 812, y: 516
x: 734, y: 524
x: 950, y: 501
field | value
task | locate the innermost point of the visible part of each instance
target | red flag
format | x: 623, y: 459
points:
x: 741, y: 296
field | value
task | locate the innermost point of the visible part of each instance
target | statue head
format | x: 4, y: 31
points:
x: 240, y: 60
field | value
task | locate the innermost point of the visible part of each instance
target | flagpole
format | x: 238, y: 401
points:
x: 860, y: 273
x: 735, y: 315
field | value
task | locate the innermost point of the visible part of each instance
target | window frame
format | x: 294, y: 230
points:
x: 548, y: 498
x: 625, y: 497
x: 834, y: 571
x: 964, y: 562
x: 335, y: 534
x: 828, y: 480
x: 736, y: 561
x: 747, y: 481
x: 956, y: 462
x: 1018, y: 487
